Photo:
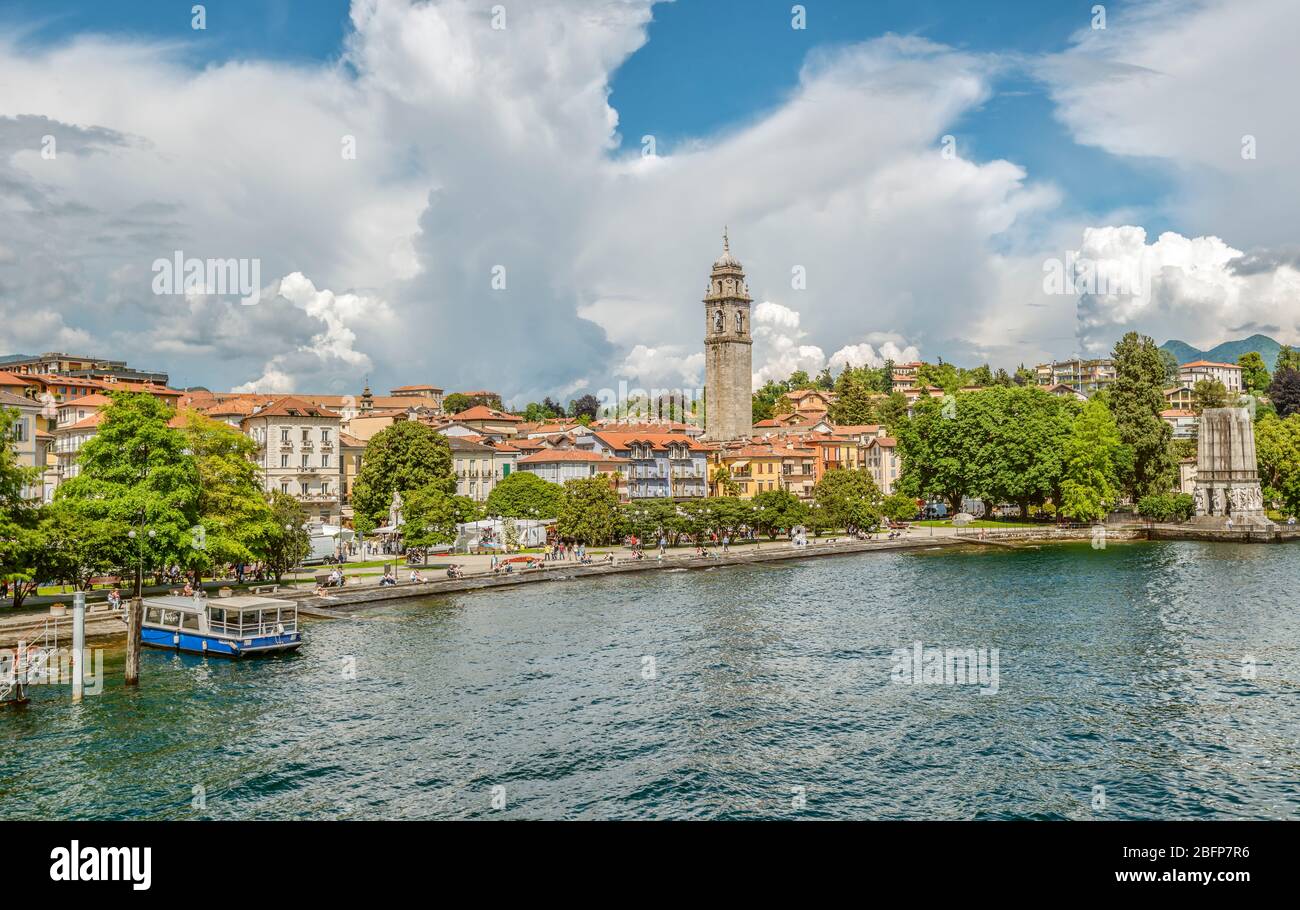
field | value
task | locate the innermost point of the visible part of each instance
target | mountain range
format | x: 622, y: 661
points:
x: 1227, y: 352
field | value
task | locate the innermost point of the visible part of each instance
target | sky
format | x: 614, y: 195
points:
x: 527, y: 197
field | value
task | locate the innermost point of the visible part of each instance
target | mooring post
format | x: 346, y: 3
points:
x: 78, y: 644
x: 134, y: 619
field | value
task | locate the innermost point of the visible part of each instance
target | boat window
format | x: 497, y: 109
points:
x: 171, y: 618
x: 190, y: 621
x: 216, y: 614
x: 154, y: 615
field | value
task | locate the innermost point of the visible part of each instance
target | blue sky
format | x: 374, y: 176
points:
x: 482, y: 148
x: 681, y: 86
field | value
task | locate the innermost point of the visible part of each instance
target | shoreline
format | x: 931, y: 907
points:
x: 104, y: 626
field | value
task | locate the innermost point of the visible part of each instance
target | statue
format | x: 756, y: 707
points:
x: 740, y: 322
x: 717, y: 321
x: 1198, y: 498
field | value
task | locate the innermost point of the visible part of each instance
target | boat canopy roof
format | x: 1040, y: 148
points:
x: 239, y: 603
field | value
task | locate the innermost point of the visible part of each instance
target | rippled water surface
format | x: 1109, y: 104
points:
x: 1120, y: 669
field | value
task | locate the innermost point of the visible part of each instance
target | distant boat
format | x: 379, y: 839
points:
x: 241, y: 626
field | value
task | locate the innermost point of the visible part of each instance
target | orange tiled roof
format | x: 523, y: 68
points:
x: 289, y: 406
x: 482, y: 412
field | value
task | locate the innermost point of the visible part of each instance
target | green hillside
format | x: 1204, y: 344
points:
x: 1227, y: 352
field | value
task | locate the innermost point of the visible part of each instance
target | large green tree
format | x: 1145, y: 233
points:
x: 1018, y: 434
x: 404, y: 457
x: 850, y: 499
x: 20, y: 546
x: 1136, y: 398
x: 1209, y: 393
x: 429, y: 518
x: 777, y: 511
x: 1089, y: 484
x: 287, y: 542
x: 233, y: 511
x: 525, y: 495
x: 1277, y: 451
x: 939, y: 447
x: 137, y: 476
x: 1254, y: 373
x: 590, y: 512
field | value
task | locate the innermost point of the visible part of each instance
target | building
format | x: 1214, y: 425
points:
x: 1184, y: 422
x: 904, y: 376
x: 422, y: 394
x: 351, y: 451
x: 560, y: 465
x: 1079, y: 374
x: 661, y: 465
x: 763, y: 467
x: 489, y: 421
x: 881, y: 458
x: 1061, y: 390
x: 1180, y: 397
x: 28, y: 440
x: 1227, y: 373
x: 58, y: 363
x: 298, y: 452
x: 728, y: 351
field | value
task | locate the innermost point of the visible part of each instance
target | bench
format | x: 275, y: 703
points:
x: 264, y: 589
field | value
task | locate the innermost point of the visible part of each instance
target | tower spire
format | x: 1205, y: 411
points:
x: 726, y: 244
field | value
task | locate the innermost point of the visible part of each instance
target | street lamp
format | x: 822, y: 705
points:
x: 139, y: 566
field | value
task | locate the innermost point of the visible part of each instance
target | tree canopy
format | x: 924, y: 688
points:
x: 404, y: 457
x: 525, y: 495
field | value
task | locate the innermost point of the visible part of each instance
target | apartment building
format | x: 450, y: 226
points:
x: 561, y: 465
x: 1079, y: 374
x: 299, y: 453
x: 28, y: 441
x: 881, y: 458
x: 1227, y: 373
x: 661, y: 465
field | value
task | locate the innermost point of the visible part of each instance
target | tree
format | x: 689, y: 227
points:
x: 939, y: 448
x: 1171, y: 367
x: 459, y: 401
x: 403, y: 457
x: 18, y: 516
x: 1136, y: 398
x: 1277, y: 452
x: 1288, y: 358
x: 233, y: 511
x: 585, y: 408
x: 725, y: 484
x: 136, y: 475
x: 1019, y: 438
x: 1089, y: 484
x: 1166, y: 506
x: 856, y: 393
x: 525, y: 495
x: 1284, y: 390
x: 849, y: 498
x: 590, y: 511
x: 429, y: 518
x: 1254, y: 374
x: 287, y: 542
x: 899, y: 507
x: 1209, y: 393
x: 776, y: 511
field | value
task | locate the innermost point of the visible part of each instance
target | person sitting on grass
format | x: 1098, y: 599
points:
x: 416, y: 577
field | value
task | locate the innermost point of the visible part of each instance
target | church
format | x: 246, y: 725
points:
x: 728, y: 351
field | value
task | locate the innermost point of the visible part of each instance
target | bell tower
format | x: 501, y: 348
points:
x: 728, y: 351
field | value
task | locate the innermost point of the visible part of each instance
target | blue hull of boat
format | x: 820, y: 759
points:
x: 219, y: 647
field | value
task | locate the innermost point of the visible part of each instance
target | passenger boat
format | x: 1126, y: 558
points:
x: 240, y: 626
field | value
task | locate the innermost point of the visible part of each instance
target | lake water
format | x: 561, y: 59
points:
x: 771, y: 695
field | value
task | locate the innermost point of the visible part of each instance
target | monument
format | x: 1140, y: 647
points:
x: 728, y: 351
x: 1227, y: 479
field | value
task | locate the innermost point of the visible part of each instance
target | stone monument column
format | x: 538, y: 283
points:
x: 1227, y: 477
